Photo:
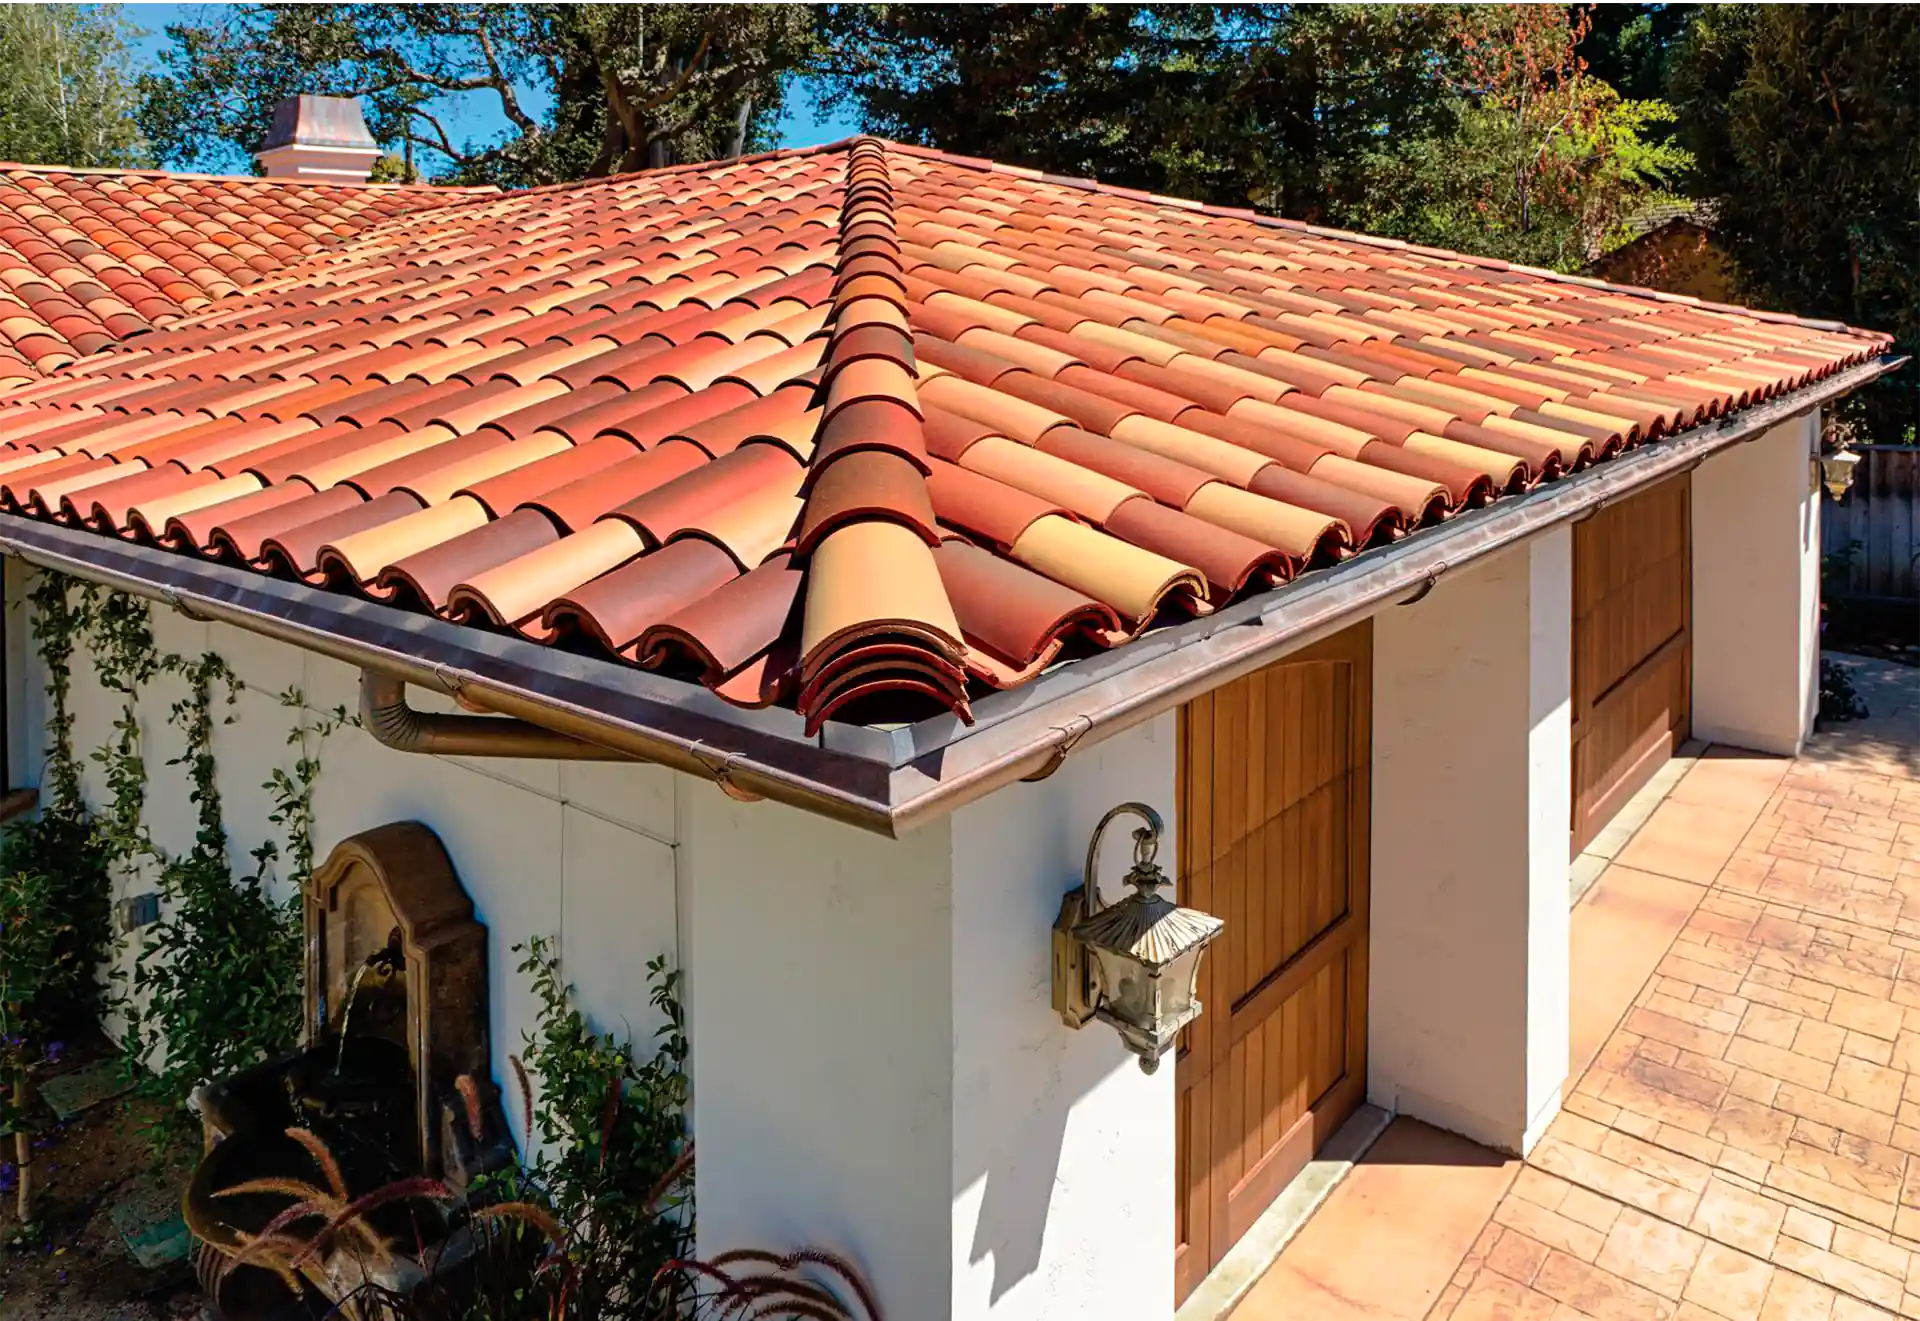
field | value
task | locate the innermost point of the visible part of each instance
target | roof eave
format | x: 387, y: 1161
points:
x: 884, y: 781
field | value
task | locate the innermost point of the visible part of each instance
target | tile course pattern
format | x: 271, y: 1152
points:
x: 862, y: 430
x: 90, y: 257
x: 1746, y: 1147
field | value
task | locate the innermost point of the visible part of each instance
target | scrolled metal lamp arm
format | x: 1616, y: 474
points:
x: 1146, y: 845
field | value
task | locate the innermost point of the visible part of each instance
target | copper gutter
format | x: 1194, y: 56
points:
x: 887, y: 781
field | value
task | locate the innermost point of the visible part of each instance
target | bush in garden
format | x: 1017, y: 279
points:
x: 29, y: 967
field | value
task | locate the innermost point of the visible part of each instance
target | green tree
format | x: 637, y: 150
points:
x: 585, y: 89
x: 66, y: 86
x: 1804, y: 121
x: 1474, y: 127
x: 1544, y: 163
x: 1283, y: 107
x: 1316, y: 101
x: 1632, y: 48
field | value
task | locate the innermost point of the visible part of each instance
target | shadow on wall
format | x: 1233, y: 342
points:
x: 1017, y: 1194
x: 1054, y: 1130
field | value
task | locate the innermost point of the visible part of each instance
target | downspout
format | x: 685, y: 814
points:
x: 385, y: 714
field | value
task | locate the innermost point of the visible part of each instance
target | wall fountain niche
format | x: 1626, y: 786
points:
x: 396, y: 1015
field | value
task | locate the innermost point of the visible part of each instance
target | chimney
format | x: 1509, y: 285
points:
x: 321, y: 139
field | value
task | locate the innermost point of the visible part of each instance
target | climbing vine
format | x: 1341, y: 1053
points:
x: 215, y: 984
x: 59, y: 623
x: 58, y: 855
x: 293, y: 790
x: 121, y: 641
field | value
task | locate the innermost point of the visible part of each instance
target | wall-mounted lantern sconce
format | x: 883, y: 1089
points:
x: 1836, y: 471
x: 1134, y: 964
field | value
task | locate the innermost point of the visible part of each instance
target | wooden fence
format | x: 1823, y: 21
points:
x: 1877, y: 527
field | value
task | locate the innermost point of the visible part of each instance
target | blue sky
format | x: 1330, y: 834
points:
x: 476, y: 115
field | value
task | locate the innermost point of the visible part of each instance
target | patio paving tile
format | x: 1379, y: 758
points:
x: 1743, y: 1143
x: 1418, y: 1200
x: 1618, y: 935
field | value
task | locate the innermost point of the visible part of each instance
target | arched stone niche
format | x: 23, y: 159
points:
x: 393, y: 889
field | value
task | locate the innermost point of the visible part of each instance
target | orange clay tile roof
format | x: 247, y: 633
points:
x: 89, y: 257
x: 861, y: 430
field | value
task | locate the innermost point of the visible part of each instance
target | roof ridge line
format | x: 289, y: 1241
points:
x: 1084, y: 184
x: 686, y: 167
x: 868, y: 467
x: 204, y: 177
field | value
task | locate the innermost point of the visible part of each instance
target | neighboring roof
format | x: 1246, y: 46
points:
x: 89, y: 257
x: 1676, y: 211
x: 863, y: 430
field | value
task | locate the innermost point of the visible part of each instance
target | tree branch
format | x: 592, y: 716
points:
x: 445, y: 145
x: 509, y: 100
x: 686, y: 75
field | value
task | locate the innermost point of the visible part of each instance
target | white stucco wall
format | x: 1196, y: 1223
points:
x: 1756, y: 591
x: 1063, y: 1150
x: 1468, y: 980
x: 878, y: 1069
x: 581, y: 851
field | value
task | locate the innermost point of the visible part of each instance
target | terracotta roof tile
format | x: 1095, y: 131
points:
x: 860, y: 430
x: 129, y: 232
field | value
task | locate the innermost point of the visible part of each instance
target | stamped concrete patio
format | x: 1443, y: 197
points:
x: 1743, y: 1138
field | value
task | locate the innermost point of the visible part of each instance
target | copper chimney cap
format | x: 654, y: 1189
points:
x: 319, y: 138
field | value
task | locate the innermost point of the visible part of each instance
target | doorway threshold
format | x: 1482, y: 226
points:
x: 1619, y: 832
x: 1227, y: 1284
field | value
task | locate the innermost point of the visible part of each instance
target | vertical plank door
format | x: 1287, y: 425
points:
x: 1274, y: 797
x: 1632, y: 656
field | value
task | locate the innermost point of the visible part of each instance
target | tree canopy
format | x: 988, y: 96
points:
x: 1542, y: 163
x: 1475, y: 127
x: 1804, y: 121
x: 585, y: 89
x: 66, y: 86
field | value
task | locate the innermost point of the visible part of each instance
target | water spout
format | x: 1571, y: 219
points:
x: 387, y: 960
x: 346, y: 1016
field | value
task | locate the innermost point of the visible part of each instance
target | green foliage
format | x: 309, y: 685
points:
x: 624, y: 85
x: 596, y: 1225
x: 1084, y: 90
x: 1473, y: 127
x: 66, y: 86
x: 610, y: 1134
x: 60, y: 854
x: 30, y: 969
x: 216, y: 986
x: 59, y: 623
x: 1593, y: 177
x: 1839, y: 699
x: 292, y: 790
x: 1288, y: 108
x: 1804, y: 122
x: 121, y: 644
x: 1632, y: 47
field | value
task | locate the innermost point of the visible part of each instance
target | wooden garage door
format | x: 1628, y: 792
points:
x: 1632, y: 664
x: 1273, y: 838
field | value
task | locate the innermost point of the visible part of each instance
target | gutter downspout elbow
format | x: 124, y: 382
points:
x: 385, y: 714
